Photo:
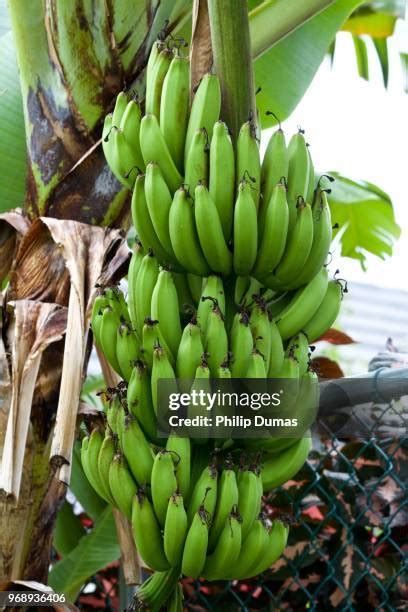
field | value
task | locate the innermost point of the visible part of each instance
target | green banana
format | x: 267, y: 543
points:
x: 108, y: 334
x: 298, y: 175
x: 125, y: 159
x: 223, y: 371
x: 196, y: 164
x: 309, y: 396
x: 174, y: 108
x: 159, y: 199
x: 120, y: 420
x: 143, y: 224
x: 249, y: 499
x: 163, y: 483
x: 180, y: 447
x: 189, y: 351
x: 119, y: 109
x: 227, y: 499
x: 205, y: 110
x: 122, y: 484
x: 326, y: 313
x: 195, y: 548
x: 204, y: 493
x: 210, y: 232
x: 139, y: 399
x: 175, y: 529
x: 183, y: 234
x: 215, y: 338
x: 279, y: 468
x: 127, y: 349
x: 105, y: 458
x: 212, y: 288
x: 154, y: 593
x: 256, y: 367
x: 302, y: 306
x: 145, y: 284
x: 112, y: 411
x: 298, y: 346
x: 137, y: 450
x: 152, y: 337
x: 109, y: 151
x: 90, y: 449
x: 99, y: 305
x: 322, y: 237
x: 297, y: 248
x: 277, y: 352
x: 253, y: 550
x: 248, y: 160
x: 147, y: 533
x: 161, y: 369
x: 130, y: 126
x: 201, y: 384
x: 134, y: 267
x: 154, y: 84
x: 273, y: 230
x: 222, y: 175
x: 155, y: 149
x: 289, y: 387
x: 241, y: 345
x: 261, y: 329
x: 275, y: 165
x: 245, y: 230
x: 157, y: 47
x: 165, y: 309
x: 116, y: 299
x: 311, y: 180
x: 277, y: 539
x: 219, y: 563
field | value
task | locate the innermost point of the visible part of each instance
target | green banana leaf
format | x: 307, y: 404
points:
x: 94, y: 551
x: 13, y: 166
x: 68, y: 530
x: 381, y: 48
x: 365, y: 217
x: 360, y: 48
x: 285, y: 72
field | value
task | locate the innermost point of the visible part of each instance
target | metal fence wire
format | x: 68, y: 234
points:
x: 349, y: 511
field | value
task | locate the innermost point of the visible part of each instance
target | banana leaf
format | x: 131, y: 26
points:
x: 94, y: 551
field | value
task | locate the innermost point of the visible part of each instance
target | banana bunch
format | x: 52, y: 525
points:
x: 163, y: 332
x: 227, y: 279
x: 203, y: 523
x: 204, y: 206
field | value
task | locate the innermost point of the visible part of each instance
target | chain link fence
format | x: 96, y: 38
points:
x: 349, y: 515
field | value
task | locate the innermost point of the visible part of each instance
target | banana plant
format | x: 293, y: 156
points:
x: 73, y: 59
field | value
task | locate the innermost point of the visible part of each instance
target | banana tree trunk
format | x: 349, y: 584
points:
x: 74, y: 56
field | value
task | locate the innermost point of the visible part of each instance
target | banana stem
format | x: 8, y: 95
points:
x: 232, y: 61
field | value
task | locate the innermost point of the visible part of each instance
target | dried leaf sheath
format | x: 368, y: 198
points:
x: 33, y: 327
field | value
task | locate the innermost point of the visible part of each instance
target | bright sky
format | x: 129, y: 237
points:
x: 361, y: 130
